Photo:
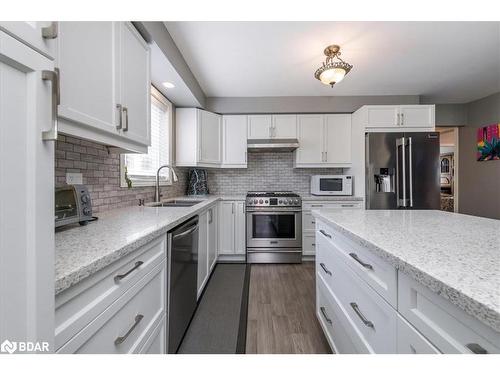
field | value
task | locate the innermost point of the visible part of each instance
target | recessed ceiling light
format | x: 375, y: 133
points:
x: 168, y: 85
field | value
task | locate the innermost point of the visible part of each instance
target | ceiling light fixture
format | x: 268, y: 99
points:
x: 168, y: 85
x: 332, y: 72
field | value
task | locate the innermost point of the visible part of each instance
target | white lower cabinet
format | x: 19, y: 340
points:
x: 410, y: 341
x: 207, y: 246
x: 118, y: 309
x: 381, y: 310
x: 232, y: 230
x: 309, y: 223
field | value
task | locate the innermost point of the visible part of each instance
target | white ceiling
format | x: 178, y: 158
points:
x: 163, y: 71
x: 447, y: 62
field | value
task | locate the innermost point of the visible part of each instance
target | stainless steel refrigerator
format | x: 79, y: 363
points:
x: 402, y: 170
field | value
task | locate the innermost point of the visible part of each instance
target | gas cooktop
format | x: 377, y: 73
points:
x: 273, y: 199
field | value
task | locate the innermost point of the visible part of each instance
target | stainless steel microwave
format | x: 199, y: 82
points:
x: 331, y: 185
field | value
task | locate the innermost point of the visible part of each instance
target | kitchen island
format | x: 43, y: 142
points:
x: 424, y: 265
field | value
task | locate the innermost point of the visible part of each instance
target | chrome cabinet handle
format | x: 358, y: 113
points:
x: 53, y: 77
x: 356, y: 258
x: 316, y: 205
x: 402, y: 118
x: 323, y: 311
x: 125, y: 111
x: 121, y: 339
x: 347, y: 205
x: 358, y: 312
x: 210, y: 216
x: 119, y: 108
x: 327, y: 271
x: 50, y: 32
x: 476, y: 348
x: 137, y: 264
x: 324, y: 233
x: 232, y: 208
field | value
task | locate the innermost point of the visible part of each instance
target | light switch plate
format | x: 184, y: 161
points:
x: 74, y: 178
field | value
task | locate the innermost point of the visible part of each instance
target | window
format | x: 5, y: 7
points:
x: 141, y: 168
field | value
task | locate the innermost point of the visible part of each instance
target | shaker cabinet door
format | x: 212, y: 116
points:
x: 87, y: 58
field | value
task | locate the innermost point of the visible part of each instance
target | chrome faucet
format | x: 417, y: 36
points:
x: 157, y: 187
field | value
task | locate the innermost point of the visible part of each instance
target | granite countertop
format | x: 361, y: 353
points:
x: 455, y: 255
x: 310, y: 197
x: 82, y: 251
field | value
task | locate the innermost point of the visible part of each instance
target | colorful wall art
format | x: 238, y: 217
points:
x: 488, y: 143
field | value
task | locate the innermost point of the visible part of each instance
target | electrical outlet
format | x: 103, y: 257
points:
x: 74, y: 178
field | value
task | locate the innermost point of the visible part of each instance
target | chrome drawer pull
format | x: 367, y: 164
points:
x: 325, y: 269
x: 325, y: 234
x: 121, y: 339
x: 365, y: 321
x: 316, y: 205
x: 476, y: 348
x: 356, y: 258
x: 136, y: 266
x: 347, y: 205
x: 323, y: 311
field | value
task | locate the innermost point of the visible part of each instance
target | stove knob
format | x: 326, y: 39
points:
x: 280, y: 201
x: 296, y: 201
x: 285, y: 201
x: 261, y: 201
x: 267, y: 201
x: 255, y: 201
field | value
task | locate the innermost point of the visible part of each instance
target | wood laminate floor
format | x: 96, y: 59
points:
x: 281, y: 311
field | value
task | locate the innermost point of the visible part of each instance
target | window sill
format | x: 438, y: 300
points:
x: 141, y: 184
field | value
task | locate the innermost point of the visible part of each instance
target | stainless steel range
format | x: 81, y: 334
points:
x: 274, y: 227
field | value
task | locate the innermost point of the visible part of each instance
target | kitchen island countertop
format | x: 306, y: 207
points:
x: 457, y: 256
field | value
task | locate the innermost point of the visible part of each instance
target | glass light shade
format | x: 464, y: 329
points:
x: 334, y: 75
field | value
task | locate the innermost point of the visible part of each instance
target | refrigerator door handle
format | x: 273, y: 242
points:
x: 410, y: 156
x: 401, y: 142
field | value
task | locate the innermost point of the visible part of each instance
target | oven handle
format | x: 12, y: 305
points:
x: 267, y: 210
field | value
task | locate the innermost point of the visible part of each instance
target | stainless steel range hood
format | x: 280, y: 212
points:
x: 272, y: 145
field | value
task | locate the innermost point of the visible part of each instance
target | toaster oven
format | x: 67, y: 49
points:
x: 72, y: 205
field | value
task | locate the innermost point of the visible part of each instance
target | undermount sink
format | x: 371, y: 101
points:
x: 175, y: 203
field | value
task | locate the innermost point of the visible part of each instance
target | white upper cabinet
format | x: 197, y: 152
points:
x: 38, y: 35
x: 198, y: 138
x: 234, y: 141
x: 105, y: 83
x: 260, y: 126
x: 324, y: 141
x: 210, y: 134
x: 135, y: 85
x: 87, y: 59
x: 284, y: 126
x: 338, y: 139
x: 311, y: 140
x: 417, y: 116
x: 272, y: 126
x: 387, y: 117
x: 381, y: 116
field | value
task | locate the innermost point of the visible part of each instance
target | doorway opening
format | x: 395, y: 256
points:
x: 449, y: 167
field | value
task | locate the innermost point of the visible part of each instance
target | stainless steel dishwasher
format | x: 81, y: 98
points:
x: 182, y: 285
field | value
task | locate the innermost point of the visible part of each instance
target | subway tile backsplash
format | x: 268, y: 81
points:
x: 101, y: 173
x: 266, y: 171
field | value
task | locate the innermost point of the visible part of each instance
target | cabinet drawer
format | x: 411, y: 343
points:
x: 410, y: 341
x: 79, y: 305
x: 126, y: 325
x: 308, y: 221
x: 446, y: 326
x: 374, y: 319
x: 379, y: 274
x: 308, y: 243
x: 317, y: 205
x: 157, y: 342
x: 338, y: 331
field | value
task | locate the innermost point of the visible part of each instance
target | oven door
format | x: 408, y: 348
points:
x: 274, y: 227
